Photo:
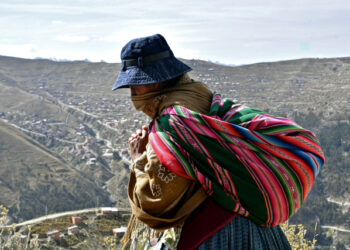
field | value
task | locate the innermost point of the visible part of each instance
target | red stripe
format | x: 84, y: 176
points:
x: 166, y: 157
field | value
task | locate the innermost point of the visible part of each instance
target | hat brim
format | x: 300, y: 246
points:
x: 154, y: 72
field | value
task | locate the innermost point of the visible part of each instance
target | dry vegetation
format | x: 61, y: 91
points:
x: 95, y: 232
x: 100, y: 232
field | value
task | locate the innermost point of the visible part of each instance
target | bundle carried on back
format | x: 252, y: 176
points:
x: 250, y: 162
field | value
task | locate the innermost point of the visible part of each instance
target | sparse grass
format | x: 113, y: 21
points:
x: 110, y: 242
x: 9, y: 239
x: 106, y: 225
x: 60, y: 224
x: 95, y: 232
x: 296, y: 237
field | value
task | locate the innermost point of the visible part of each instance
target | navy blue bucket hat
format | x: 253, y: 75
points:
x: 148, y: 60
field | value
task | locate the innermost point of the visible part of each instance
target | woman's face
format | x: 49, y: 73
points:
x: 143, y: 89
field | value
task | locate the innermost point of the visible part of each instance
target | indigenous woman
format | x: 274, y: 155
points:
x: 208, y: 173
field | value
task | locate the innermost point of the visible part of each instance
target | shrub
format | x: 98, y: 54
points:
x: 296, y: 237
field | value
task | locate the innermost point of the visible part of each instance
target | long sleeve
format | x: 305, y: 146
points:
x: 160, y: 198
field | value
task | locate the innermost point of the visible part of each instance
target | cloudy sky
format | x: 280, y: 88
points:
x: 226, y: 31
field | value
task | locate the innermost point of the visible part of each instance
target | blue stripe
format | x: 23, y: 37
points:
x: 310, y: 162
x: 246, y: 133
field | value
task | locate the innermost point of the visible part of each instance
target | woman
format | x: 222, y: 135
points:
x: 207, y: 173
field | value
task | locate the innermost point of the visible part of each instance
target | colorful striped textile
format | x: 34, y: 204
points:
x: 250, y: 162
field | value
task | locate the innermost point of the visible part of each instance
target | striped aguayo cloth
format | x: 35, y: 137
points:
x: 250, y: 162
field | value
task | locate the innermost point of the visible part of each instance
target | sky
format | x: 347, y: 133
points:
x: 224, y: 31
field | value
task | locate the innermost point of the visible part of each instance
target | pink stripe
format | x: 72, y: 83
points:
x: 285, y: 175
x: 270, y: 183
x: 232, y: 112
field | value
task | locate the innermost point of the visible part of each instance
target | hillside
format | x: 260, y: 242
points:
x: 67, y: 111
x: 79, y: 229
x: 35, y: 181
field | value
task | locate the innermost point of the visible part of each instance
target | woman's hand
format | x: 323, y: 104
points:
x: 138, y: 142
